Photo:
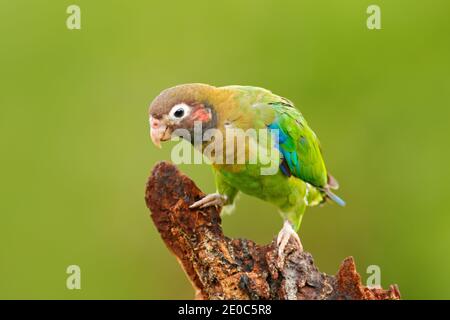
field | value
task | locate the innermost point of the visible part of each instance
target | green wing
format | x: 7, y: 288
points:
x: 297, y: 142
x: 299, y: 145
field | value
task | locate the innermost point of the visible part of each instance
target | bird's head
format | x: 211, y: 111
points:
x: 181, y: 107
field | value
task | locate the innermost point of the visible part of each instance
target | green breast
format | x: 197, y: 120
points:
x: 277, y: 189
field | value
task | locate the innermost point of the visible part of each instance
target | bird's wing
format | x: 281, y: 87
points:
x: 299, y: 145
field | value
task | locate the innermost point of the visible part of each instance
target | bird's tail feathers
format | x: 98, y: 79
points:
x: 332, y: 182
x: 330, y: 195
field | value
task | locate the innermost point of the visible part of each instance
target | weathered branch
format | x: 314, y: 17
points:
x: 224, y: 268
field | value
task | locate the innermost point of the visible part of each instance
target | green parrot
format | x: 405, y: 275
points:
x: 301, y: 179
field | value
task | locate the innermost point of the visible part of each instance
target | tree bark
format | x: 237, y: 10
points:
x: 224, y: 268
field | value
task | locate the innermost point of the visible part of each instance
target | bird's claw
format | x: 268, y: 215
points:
x: 282, y: 240
x: 214, y: 199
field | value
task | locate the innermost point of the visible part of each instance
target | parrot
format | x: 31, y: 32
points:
x: 301, y: 179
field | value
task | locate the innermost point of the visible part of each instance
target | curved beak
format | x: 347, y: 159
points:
x: 159, y: 131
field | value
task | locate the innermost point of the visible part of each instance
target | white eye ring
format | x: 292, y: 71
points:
x: 179, y: 111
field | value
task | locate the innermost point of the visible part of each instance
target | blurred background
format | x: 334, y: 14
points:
x: 76, y: 153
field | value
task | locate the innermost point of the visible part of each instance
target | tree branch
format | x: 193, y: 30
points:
x: 224, y: 268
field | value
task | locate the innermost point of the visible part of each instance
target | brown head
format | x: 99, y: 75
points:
x: 179, y: 108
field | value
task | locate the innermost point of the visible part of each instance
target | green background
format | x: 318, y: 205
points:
x: 76, y: 153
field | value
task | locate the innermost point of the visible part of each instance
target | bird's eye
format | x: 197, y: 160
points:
x: 179, y: 113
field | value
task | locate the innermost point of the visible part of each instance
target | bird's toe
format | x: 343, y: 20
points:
x: 214, y: 199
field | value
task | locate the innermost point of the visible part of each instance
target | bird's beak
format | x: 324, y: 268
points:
x: 159, y: 131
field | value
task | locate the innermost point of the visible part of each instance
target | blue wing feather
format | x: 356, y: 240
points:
x: 284, y: 146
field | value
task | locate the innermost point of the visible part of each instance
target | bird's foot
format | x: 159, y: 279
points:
x: 282, y: 240
x: 214, y: 199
